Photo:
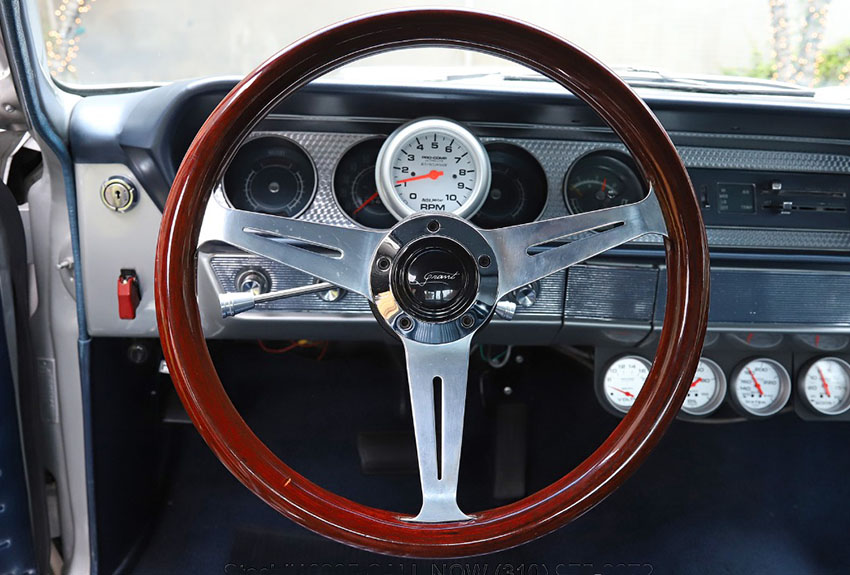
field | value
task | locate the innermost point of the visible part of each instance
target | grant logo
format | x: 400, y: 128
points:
x: 435, y: 277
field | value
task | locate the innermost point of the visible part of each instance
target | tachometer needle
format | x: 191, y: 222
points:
x: 825, y: 384
x: 433, y: 174
x: 755, y: 381
x: 696, y: 381
x: 366, y: 203
x: 623, y: 391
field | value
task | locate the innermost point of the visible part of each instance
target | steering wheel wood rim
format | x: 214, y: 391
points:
x: 331, y: 515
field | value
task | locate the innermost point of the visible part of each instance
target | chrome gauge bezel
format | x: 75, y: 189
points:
x: 602, y: 386
x: 801, y: 386
x: 393, y: 144
x: 607, y: 153
x: 781, y: 399
x: 335, y: 180
x: 277, y: 136
x: 719, y: 393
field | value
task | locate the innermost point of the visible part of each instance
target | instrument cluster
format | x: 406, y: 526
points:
x: 429, y: 164
x: 756, y: 387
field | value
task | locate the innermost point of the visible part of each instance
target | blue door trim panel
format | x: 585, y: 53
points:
x: 32, y: 86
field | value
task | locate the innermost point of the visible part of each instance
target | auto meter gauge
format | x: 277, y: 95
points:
x: 272, y: 175
x: 707, y: 390
x: 518, y: 188
x: 432, y: 165
x: 602, y: 180
x: 623, y: 381
x: 824, y: 385
x: 761, y: 387
x: 355, y: 188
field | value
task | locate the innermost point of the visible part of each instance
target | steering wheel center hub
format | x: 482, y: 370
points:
x: 434, y: 279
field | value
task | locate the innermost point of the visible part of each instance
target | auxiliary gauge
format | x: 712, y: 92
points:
x: 623, y: 381
x: 761, y: 387
x: 432, y: 165
x: 707, y: 390
x: 824, y: 385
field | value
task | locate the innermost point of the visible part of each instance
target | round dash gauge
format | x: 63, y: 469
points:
x: 760, y: 387
x: 355, y: 188
x: 433, y: 165
x: 623, y: 380
x: 824, y: 385
x: 707, y: 390
x: 272, y: 175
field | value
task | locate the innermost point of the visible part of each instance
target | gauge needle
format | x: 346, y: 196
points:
x: 604, y: 181
x: 696, y: 381
x: 623, y: 391
x: 433, y: 174
x: 758, y: 385
x: 825, y: 384
x: 366, y: 203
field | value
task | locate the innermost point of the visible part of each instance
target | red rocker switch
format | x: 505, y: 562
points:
x: 128, y: 294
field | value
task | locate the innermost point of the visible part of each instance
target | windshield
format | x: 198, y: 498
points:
x: 107, y: 42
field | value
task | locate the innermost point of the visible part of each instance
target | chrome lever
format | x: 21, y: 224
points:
x: 234, y: 303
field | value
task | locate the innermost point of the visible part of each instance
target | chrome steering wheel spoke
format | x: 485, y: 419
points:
x: 437, y: 378
x: 586, y: 235
x: 335, y: 254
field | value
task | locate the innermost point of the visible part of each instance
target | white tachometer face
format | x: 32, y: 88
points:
x: 761, y: 386
x: 707, y: 390
x: 825, y: 385
x: 432, y: 165
x: 623, y: 381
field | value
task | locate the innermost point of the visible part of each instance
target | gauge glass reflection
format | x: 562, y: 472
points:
x: 758, y: 339
x: 824, y: 341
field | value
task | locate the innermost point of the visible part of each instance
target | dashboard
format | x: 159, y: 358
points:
x: 772, y: 179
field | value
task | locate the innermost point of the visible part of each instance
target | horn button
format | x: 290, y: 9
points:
x: 435, y: 279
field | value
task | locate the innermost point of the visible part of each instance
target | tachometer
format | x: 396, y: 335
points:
x: 272, y: 175
x: 761, y: 387
x: 707, y: 389
x: 825, y: 385
x: 602, y: 180
x: 433, y: 165
x: 623, y: 381
x: 355, y: 188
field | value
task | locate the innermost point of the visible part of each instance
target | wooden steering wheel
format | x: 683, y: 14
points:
x: 389, y: 268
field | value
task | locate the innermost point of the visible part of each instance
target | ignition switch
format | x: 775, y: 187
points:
x: 118, y: 194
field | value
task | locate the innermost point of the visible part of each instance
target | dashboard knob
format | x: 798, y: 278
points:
x: 506, y: 309
x: 253, y: 281
x: 526, y: 296
x: 334, y: 294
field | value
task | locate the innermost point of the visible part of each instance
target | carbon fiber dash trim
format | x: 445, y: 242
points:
x: 556, y: 157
